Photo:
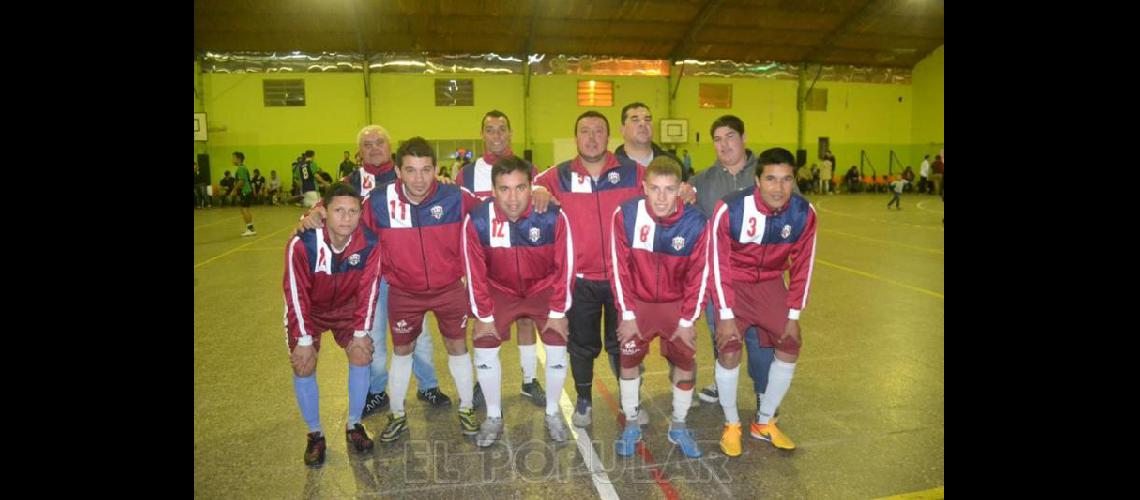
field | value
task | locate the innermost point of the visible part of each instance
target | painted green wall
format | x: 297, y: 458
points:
x: 863, y: 118
x: 273, y: 137
x: 767, y: 107
x: 929, y: 114
x: 554, y: 108
x: 860, y: 117
x: 405, y: 105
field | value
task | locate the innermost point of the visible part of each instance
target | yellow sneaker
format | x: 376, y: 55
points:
x: 769, y: 432
x: 730, y: 440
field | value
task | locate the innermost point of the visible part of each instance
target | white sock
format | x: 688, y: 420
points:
x: 555, y: 376
x: 629, y: 397
x: 398, y: 376
x: 464, y: 383
x: 779, y: 380
x: 489, y: 371
x: 726, y: 384
x: 682, y: 400
x: 528, y: 358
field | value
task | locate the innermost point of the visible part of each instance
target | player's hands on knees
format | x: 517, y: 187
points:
x: 726, y: 332
x: 791, y: 332
x: 484, y: 329
x: 561, y: 326
x: 687, y: 193
x: 627, y: 330
x: 541, y: 199
x: 315, y: 220
x: 360, y: 349
x: 443, y: 179
x: 304, y: 359
x: 687, y: 335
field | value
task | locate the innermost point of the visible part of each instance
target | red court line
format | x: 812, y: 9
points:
x: 658, y: 475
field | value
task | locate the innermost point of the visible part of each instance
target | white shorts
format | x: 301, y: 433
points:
x: 311, y: 198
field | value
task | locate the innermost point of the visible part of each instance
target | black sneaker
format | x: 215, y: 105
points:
x: 478, y: 400
x: 535, y: 392
x: 376, y: 401
x: 315, y: 450
x: 435, y: 398
x: 358, y: 438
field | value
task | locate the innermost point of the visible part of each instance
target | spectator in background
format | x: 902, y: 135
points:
x: 346, y: 167
x: 273, y: 189
x: 227, y: 184
x: 939, y: 168
x: 852, y: 179
x: 924, y: 175
x: 258, y: 183
x: 804, y: 178
x: 908, y: 174
x: 826, y: 172
x: 201, y: 199
x: 687, y: 162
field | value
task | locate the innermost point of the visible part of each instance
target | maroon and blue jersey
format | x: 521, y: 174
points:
x: 521, y: 258
x: 589, y: 204
x: 754, y: 243
x: 659, y: 259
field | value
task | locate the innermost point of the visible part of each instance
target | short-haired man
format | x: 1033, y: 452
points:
x: 759, y: 234
x: 658, y: 249
x: 520, y: 263
x: 331, y: 278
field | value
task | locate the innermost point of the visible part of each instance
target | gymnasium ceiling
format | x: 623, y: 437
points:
x: 884, y: 33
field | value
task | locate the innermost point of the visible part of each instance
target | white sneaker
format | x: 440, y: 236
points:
x: 249, y: 232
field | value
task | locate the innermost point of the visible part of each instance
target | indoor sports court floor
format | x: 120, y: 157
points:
x: 866, y: 406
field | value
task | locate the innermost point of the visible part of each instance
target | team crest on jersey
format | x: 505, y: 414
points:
x: 678, y: 243
x: 535, y: 234
x: 354, y: 259
x: 437, y: 212
x: 614, y: 177
x: 787, y: 231
x: 629, y: 348
x: 402, y: 327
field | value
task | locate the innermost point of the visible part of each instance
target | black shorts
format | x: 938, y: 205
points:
x: 246, y: 199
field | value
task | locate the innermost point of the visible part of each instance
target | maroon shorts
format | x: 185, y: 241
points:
x: 657, y: 320
x: 406, y: 312
x: 509, y: 308
x: 342, y: 331
x: 764, y: 305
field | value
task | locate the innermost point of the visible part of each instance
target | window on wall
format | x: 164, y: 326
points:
x: 454, y: 92
x: 595, y: 93
x: 716, y: 95
x: 283, y: 92
x: 817, y: 100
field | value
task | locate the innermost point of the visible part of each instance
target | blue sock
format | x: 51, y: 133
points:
x: 308, y: 399
x: 357, y: 392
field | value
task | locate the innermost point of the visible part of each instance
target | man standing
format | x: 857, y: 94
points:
x: 330, y: 278
x: 258, y: 186
x: 658, y: 249
x: 519, y: 263
x: 244, y: 189
x: 419, y: 221
x: 377, y: 169
x: 924, y: 175
x: 637, y: 132
x: 476, y: 177
x: 757, y: 235
x: 346, y: 166
x: 588, y: 189
x: 734, y: 170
